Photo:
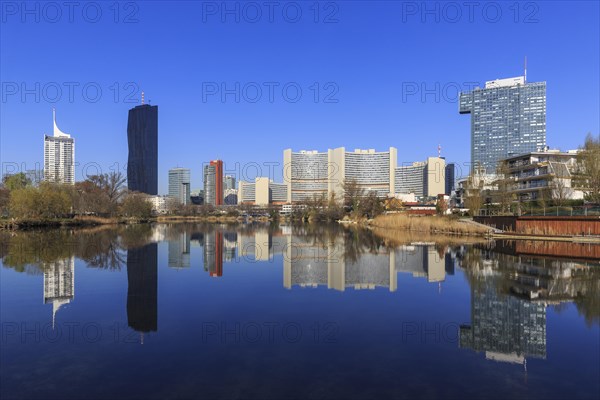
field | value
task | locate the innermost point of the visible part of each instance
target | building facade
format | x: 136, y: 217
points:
x: 179, y: 185
x: 310, y: 174
x: 59, y: 156
x: 543, y: 175
x: 229, y: 182
x: 306, y: 174
x: 142, y: 141
x: 423, y: 178
x: 508, y: 117
x: 263, y: 191
x: 213, y: 183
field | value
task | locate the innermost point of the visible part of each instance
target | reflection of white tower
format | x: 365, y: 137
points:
x: 59, y: 284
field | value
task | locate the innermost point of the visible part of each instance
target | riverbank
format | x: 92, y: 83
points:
x: 16, y: 224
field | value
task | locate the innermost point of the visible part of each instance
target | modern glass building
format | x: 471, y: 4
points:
x: 142, y: 140
x: 59, y: 156
x: 450, y: 178
x: 306, y: 174
x: 411, y: 178
x: 310, y: 174
x: 179, y: 185
x: 508, y: 117
x: 423, y: 178
x: 229, y: 182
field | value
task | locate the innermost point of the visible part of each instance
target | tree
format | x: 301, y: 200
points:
x: 473, y: 195
x: 47, y: 201
x: 109, y: 187
x: 136, y: 205
x: 587, y: 175
x: 559, y: 189
x: 4, y: 201
x: 353, y: 193
x: 16, y: 181
x: 504, y: 183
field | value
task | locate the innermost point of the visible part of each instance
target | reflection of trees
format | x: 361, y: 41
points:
x: 588, y: 305
x: 37, y: 248
x: 102, y: 247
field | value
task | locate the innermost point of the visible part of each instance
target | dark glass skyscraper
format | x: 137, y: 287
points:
x: 508, y: 117
x: 449, y: 176
x: 142, y: 139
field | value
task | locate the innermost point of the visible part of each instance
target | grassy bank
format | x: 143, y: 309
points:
x: 7, y: 224
x: 430, y: 225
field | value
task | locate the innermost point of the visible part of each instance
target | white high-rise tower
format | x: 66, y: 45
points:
x: 59, y: 156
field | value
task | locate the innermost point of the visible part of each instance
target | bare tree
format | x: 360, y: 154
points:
x: 473, y: 195
x: 504, y: 193
x: 587, y: 176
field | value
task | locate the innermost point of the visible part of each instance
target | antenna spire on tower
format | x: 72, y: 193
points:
x: 439, y: 150
x: 142, y: 97
x: 525, y: 76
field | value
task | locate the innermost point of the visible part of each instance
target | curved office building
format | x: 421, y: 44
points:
x: 306, y: 174
x: 373, y: 171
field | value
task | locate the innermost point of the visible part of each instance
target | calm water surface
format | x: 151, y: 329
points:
x: 188, y: 311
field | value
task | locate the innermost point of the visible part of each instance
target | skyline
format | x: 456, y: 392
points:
x: 374, y: 110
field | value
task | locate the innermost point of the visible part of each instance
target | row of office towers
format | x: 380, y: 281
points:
x: 312, y: 174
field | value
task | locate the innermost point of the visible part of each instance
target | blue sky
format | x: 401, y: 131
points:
x: 365, y: 60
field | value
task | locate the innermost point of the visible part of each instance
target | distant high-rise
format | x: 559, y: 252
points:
x: 142, y: 139
x: 228, y: 182
x: 59, y: 156
x: 179, y: 185
x: 508, y: 118
x: 450, y: 169
x: 213, y: 183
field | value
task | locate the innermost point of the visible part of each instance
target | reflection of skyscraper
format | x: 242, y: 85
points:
x: 309, y: 265
x: 179, y: 251
x: 142, y: 140
x: 229, y: 245
x: 213, y: 253
x: 507, y: 328
x: 59, y: 283
x: 142, y: 297
x: 421, y: 261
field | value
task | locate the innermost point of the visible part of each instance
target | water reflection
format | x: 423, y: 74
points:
x: 142, y: 289
x: 59, y: 284
x: 511, y: 286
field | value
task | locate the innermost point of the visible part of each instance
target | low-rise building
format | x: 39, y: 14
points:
x: 263, y: 191
x: 160, y: 204
x: 543, y: 175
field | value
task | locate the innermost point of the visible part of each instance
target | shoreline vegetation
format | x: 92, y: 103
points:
x: 395, y: 228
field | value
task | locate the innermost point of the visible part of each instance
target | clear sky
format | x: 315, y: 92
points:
x: 371, y: 74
